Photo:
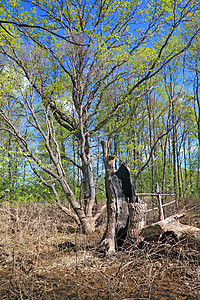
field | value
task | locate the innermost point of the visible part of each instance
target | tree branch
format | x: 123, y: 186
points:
x: 151, y: 153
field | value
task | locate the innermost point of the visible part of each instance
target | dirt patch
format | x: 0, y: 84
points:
x: 33, y: 266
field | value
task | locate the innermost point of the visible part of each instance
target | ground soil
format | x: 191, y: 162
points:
x: 38, y: 260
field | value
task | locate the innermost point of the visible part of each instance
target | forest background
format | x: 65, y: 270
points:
x: 74, y: 73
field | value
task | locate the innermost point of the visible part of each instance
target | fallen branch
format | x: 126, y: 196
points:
x: 172, y: 225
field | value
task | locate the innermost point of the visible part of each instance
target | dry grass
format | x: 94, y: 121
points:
x: 32, y: 267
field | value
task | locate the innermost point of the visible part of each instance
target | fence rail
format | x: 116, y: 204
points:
x: 159, y: 201
x: 151, y: 194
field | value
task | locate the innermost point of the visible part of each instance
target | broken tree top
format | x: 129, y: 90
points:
x: 122, y: 184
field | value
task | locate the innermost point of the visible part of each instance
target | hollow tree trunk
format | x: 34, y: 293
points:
x: 120, y: 193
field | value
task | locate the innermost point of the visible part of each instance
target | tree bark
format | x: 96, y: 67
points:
x: 137, y: 219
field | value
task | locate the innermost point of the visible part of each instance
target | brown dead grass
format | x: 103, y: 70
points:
x: 32, y: 267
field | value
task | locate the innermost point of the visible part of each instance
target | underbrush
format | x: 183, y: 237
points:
x: 44, y: 256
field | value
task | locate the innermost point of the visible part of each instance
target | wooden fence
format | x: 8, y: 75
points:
x: 159, y: 202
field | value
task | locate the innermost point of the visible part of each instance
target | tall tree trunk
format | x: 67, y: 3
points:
x: 165, y: 150
x: 151, y: 141
x: 197, y: 116
x: 74, y: 159
x: 190, y: 164
x: 185, y: 167
x: 174, y: 150
x: 88, y: 175
x: 178, y: 170
x: 10, y: 169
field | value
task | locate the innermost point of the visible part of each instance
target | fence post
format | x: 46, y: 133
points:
x: 160, y: 207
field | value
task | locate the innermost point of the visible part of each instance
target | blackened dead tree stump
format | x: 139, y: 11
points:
x: 126, y: 215
x: 120, y: 194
